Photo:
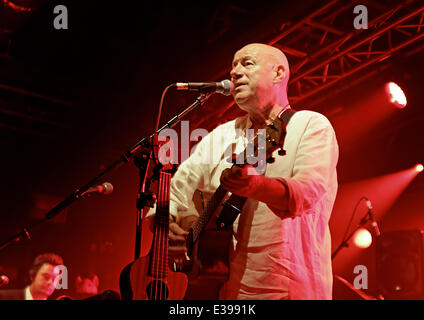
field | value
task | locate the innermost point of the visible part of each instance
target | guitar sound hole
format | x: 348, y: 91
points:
x: 157, y: 290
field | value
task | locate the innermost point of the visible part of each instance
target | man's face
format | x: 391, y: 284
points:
x: 45, y: 281
x: 252, y: 77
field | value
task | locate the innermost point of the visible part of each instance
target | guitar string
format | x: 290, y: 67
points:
x: 165, y: 247
x: 153, y: 288
x: 159, y: 237
x: 152, y: 262
x: 165, y: 240
x: 154, y: 251
x: 159, y: 290
x: 164, y: 237
x: 158, y: 281
x: 158, y: 244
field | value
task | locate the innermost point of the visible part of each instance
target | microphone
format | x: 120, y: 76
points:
x: 4, y: 280
x: 104, y: 188
x: 373, y: 222
x: 224, y: 87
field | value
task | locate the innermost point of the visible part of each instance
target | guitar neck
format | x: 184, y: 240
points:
x: 213, y: 204
x: 159, y: 263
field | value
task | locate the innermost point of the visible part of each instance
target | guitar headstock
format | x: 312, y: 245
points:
x: 261, y: 146
x: 274, y: 139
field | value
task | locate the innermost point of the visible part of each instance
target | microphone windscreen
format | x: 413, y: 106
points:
x: 108, y: 188
x: 228, y: 87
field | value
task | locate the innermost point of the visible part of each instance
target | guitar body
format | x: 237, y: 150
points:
x: 136, y: 284
x: 209, y: 267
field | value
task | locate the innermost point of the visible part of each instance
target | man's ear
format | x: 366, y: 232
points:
x: 279, y: 73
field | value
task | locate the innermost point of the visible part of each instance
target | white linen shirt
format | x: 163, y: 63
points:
x: 275, y: 255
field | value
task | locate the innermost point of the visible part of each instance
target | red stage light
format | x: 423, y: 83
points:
x: 395, y: 95
x: 362, y: 238
x: 419, y: 167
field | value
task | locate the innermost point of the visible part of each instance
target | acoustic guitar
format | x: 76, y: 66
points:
x: 149, y: 277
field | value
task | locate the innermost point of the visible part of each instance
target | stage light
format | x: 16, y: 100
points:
x: 395, y: 95
x: 362, y: 238
x: 419, y: 167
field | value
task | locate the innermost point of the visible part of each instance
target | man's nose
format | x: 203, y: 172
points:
x: 236, y: 72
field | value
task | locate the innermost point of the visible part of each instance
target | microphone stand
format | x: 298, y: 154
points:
x: 345, y: 242
x: 143, y: 145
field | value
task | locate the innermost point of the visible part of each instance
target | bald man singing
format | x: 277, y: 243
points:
x: 281, y: 246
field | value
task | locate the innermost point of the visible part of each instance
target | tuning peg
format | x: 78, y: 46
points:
x: 270, y: 160
x: 272, y: 126
x: 281, y: 152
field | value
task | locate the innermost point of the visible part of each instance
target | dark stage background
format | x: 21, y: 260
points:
x: 98, y: 86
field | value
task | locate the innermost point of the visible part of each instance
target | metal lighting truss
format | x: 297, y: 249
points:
x: 324, y: 48
x: 335, y: 54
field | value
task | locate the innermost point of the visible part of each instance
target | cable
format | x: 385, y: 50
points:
x: 160, y: 108
x: 353, y: 215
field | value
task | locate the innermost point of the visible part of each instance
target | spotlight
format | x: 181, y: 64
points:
x: 362, y: 238
x: 419, y: 167
x: 395, y: 95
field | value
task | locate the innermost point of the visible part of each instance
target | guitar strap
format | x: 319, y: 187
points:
x: 286, y: 115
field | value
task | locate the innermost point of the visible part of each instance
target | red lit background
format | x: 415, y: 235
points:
x: 72, y: 101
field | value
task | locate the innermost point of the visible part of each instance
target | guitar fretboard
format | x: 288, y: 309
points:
x: 213, y: 204
x: 159, y: 261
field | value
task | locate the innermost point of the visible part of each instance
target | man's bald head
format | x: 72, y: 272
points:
x: 272, y: 55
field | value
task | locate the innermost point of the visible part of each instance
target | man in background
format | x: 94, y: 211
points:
x: 44, y: 277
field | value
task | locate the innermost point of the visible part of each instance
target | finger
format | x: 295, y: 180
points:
x: 176, y: 251
x: 236, y: 170
x: 225, y: 173
x: 235, y: 182
x: 243, y: 172
x: 176, y: 229
x: 175, y: 237
x: 235, y: 190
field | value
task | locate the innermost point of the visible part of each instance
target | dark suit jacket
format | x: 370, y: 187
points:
x: 12, y: 294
